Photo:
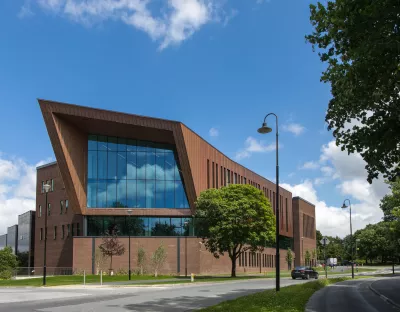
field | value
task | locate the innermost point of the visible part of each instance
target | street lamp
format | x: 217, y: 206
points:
x: 129, y: 243
x: 186, y: 223
x: 46, y: 188
x: 263, y: 130
x: 351, y: 236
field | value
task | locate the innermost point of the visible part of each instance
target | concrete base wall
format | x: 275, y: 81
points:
x: 184, y: 255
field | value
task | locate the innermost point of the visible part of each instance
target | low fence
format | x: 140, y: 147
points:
x: 29, y: 272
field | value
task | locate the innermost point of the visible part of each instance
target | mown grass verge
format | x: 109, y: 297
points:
x: 289, y: 299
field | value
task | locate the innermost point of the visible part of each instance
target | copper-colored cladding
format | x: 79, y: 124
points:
x: 304, y: 226
x: 69, y: 125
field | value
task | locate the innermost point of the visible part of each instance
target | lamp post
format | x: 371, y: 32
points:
x: 46, y: 188
x: 351, y: 236
x: 186, y: 223
x: 129, y: 243
x: 263, y: 130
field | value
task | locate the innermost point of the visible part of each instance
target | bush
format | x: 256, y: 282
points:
x: 5, y: 275
x: 122, y: 272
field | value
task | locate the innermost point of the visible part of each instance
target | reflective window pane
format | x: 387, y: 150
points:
x: 150, y: 194
x: 112, y: 165
x: 160, y: 163
x: 151, y: 166
x: 121, y: 165
x: 131, y: 165
x: 112, y: 144
x: 169, y: 166
x: 101, y: 194
x: 121, y: 194
x: 91, y: 194
x: 121, y: 145
x: 92, y: 165
x: 179, y: 195
x: 141, y: 165
x: 111, y: 193
x: 160, y: 194
x: 169, y: 194
x: 131, y: 145
x: 141, y: 194
x: 102, y: 165
x: 102, y: 143
x: 131, y: 194
x: 141, y: 146
x: 92, y: 143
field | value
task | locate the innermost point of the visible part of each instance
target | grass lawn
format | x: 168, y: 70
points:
x: 77, y: 279
x: 289, y: 299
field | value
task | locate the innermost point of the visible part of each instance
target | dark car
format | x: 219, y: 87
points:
x: 304, y: 273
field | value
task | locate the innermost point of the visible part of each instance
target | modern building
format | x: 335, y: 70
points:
x: 3, y: 241
x: 143, y: 176
x: 12, y: 237
x: 26, y: 237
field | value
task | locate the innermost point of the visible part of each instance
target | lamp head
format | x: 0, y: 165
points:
x: 344, y: 206
x: 264, y: 129
x: 47, y: 187
x: 129, y: 211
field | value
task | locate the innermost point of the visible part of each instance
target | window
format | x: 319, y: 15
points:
x: 48, y: 209
x: 42, y: 190
x: 245, y: 181
x: 72, y: 230
x: 228, y: 176
x: 216, y: 175
x: 66, y: 205
x: 126, y: 173
x: 208, y: 174
x: 78, y: 229
x: 61, y: 206
x: 68, y: 230
x: 40, y: 211
x: 62, y: 231
x: 55, y: 232
x: 235, y: 179
x: 52, y: 185
x: 213, y: 175
x: 41, y: 234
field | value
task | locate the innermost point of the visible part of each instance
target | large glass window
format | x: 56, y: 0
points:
x: 133, y: 174
x: 140, y: 226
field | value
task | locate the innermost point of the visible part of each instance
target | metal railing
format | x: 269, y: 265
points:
x: 30, y: 272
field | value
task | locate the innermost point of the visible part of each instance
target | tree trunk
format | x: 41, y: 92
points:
x: 233, y: 272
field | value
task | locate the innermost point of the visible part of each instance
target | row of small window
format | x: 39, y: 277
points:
x: 252, y: 259
x: 49, y: 182
x: 140, y: 226
x: 66, y: 231
x: 63, y: 208
x: 106, y: 143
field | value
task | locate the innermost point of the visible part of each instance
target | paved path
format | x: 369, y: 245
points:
x: 355, y: 295
x: 152, y: 299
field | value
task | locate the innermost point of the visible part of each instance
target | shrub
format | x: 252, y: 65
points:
x: 122, y: 271
x: 5, y: 275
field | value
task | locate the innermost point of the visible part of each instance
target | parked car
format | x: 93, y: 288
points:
x: 304, y: 272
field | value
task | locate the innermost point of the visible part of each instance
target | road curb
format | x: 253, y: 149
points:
x: 384, y: 298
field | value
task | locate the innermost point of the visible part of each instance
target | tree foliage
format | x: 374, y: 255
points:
x: 111, y: 246
x: 307, y: 257
x: 141, y: 259
x: 390, y: 202
x: 8, y: 262
x: 234, y: 219
x: 100, y: 259
x: 158, y: 258
x: 360, y: 43
x: 289, y: 258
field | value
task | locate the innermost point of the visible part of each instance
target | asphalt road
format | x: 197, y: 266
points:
x: 356, y: 295
x: 150, y: 299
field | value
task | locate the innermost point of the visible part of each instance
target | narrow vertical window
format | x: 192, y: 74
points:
x: 41, y: 234
x: 42, y: 190
x: 208, y: 173
x: 213, y: 175
x: 235, y: 179
x: 216, y: 175
x: 62, y: 231
x: 55, y: 232
x: 66, y: 205
x: 40, y: 211
x: 78, y: 229
x: 287, y: 215
x: 68, y: 230
x: 222, y: 176
x: 52, y: 185
x: 48, y: 209
x: 61, y: 206
x: 72, y: 230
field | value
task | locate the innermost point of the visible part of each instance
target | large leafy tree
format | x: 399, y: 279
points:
x: 234, y: 219
x: 391, y: 201
x: 359, y: 41
x: 8, y: 262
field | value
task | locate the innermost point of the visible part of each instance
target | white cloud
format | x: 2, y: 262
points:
x: 25, y: 10
x: 213, y: 132
x: 229, y: 16
x: 174, y: 22
x: 294, y: 128
x: 17, y: 190
x: 254, y: 146
x: 310, y: 165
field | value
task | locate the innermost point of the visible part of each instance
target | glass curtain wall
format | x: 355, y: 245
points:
x: 124, y: 173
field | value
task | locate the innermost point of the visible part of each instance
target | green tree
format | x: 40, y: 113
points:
x: 307, y: 257
x: 142, y: 257
x: 23, y: 259
x: 391, y: 201
x: 314, y: 255
x: 359, y: 41
x: 158, y: 259
x: 289, y: 258
x: 234, y: 219
x: 8, y: 262
x: 163, y: 229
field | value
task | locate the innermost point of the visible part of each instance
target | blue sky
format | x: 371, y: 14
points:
x: 216, y: 65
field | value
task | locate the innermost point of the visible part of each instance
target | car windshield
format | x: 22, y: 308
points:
x: 300, y: 268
